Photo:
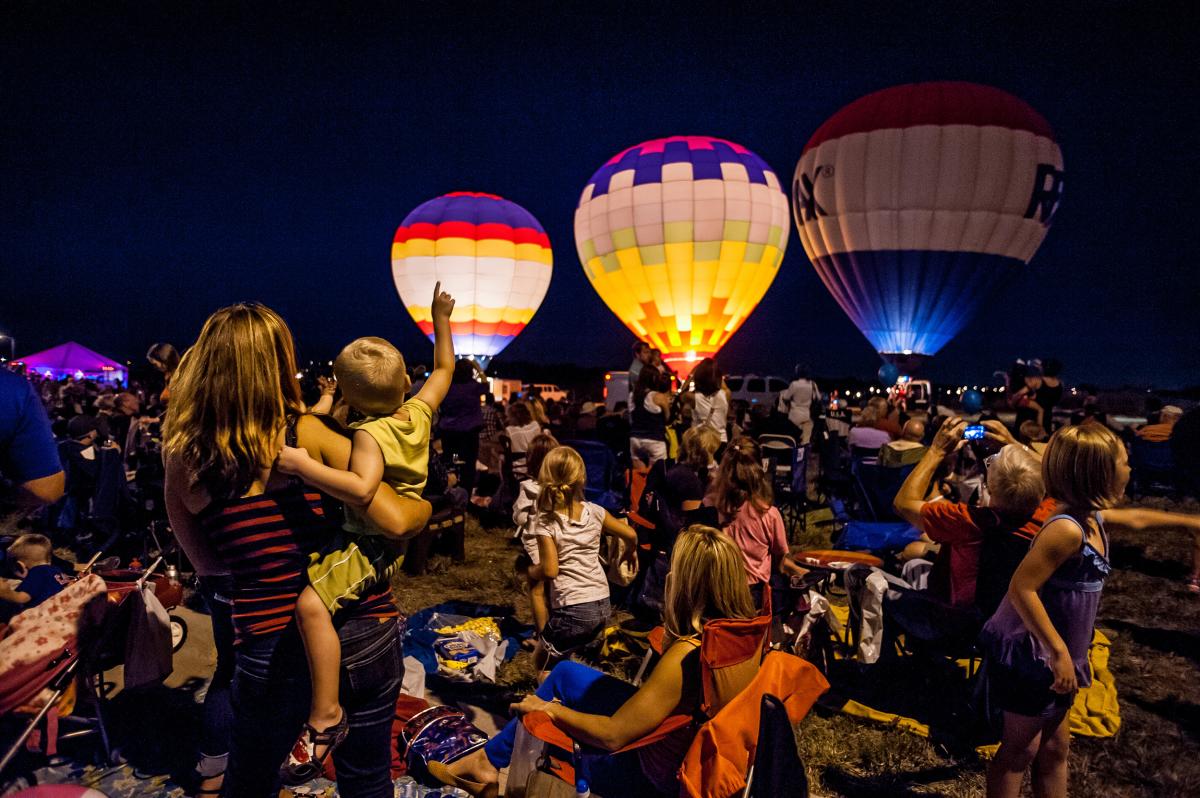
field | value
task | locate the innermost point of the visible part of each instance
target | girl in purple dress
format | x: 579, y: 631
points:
x: 1037, y: 642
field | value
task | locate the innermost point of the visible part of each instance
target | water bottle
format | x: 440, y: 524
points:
x: 582, y: 790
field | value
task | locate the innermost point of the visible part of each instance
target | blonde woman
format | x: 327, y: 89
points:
x: 1037, y: 642
x: 706, y: 583
x: 235, y: 402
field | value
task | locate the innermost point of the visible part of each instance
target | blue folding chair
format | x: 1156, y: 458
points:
x: 602, y: 486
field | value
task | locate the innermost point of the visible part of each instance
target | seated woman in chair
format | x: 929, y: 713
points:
x: 707, y: 582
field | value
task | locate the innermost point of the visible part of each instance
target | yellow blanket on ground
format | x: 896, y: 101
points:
x: 1095, y: 712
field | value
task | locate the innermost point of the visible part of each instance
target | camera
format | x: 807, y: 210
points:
x: 974, y: 432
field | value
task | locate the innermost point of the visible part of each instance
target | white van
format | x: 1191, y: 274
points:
x: 755, y: 390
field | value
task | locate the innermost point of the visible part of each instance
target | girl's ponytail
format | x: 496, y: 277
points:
x: 561, y: 479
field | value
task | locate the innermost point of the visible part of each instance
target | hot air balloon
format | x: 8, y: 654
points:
x: 490, y: 253
x: 914, y: 203
x: 681, y: 237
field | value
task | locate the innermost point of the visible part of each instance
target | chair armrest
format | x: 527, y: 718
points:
x: 541, y: 726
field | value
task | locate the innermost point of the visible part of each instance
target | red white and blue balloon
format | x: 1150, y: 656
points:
x: 914, y: 203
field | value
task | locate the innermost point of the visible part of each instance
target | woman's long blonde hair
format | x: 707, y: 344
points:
x: 230, y: 399
x: 707, y: 581
x: 561, y: 479
x: 1079, y: 468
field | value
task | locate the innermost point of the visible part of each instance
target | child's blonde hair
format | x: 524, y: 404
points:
x: 699, y: 445
x: 1079, y: 467
x: 31, y: 548
x: 372, y: 376
x: 708, y: 581
x: 561, y: 479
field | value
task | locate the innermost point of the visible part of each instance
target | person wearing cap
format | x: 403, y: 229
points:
x: 1161, y: 432
x: 78, y: 456
x: 585, y: 425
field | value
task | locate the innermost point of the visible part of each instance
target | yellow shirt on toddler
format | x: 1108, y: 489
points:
x: 405, y: 448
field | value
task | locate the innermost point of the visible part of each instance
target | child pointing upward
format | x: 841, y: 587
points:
x: 392, y: 445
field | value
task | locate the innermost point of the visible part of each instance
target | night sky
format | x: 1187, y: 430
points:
x: 158, y: 163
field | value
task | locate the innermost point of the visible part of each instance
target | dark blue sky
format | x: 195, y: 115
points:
x: 159, y: 162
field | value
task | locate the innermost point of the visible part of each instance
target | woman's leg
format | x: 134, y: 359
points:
x: 1050, y: 764
x: 1020, y: 743
x: 270, y: 702
x: 577, y: 687
x: 372, y: 671
x: 218, y: 706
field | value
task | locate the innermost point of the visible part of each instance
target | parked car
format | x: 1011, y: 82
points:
x: 755, y: 390
x: 548, y: 391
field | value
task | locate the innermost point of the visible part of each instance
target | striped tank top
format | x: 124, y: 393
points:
x: 265, y: 541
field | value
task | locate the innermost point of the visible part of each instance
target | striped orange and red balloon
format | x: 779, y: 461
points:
x: 491, y: 254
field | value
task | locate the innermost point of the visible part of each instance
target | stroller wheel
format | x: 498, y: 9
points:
x: 178, y: 632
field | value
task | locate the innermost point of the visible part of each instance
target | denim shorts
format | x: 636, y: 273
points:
x: 574, y: 626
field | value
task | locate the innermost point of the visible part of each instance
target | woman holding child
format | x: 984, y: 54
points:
x: 235, y: 405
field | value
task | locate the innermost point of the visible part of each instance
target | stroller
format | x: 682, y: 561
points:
x: 56, y: 655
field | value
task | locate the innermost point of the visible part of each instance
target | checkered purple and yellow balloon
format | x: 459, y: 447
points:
x: 681, y: 237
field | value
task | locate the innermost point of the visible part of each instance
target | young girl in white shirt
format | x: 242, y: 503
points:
x: 568, y: 531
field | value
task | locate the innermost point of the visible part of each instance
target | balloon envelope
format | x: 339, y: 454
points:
x: 915, y: 202
x: 490, y: 253
x: 681, y: 237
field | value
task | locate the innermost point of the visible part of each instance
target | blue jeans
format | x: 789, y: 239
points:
x: 218, y: 705
x: 574, y: 626
x: 588, y: 690
x: 270, y: 702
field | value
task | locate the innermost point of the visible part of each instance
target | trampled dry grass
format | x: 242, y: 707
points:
x: 1145, y: 610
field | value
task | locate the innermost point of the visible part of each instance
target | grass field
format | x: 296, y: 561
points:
x: 1146, y: 611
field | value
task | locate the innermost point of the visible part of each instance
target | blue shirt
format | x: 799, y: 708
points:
x: 27, y: 449
x: 42, y: 582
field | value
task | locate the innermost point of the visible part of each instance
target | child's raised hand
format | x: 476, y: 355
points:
x: 291, y: 460
x: 442, y: 305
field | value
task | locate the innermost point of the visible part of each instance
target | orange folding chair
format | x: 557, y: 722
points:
x: 731, y: 652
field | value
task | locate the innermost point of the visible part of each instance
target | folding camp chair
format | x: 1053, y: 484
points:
x: 777, y: 771
x: 601, y: 465
x: 786, y: 465
x: 731, y: 653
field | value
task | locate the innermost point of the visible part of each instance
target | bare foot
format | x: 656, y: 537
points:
x: 475, y: 766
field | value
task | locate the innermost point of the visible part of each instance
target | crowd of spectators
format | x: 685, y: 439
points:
x: 978, y: 506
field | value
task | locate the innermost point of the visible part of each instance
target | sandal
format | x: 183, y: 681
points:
x: 474, y: 788
x: 303, y: 765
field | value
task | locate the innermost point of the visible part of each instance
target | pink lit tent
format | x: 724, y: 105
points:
x: 75, y: 360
